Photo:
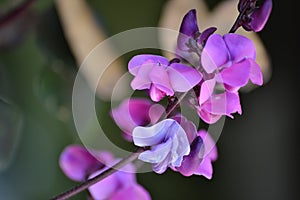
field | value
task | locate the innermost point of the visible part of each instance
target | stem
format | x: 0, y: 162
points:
x: 79, y: 188
x: 15, y: 12
x: 237, y: 24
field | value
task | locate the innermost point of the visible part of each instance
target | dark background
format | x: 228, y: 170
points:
x: 258, y: 154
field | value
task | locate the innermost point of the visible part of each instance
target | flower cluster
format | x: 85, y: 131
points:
x: 206, y: 74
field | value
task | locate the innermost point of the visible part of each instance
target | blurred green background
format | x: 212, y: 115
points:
x: 258, y: 157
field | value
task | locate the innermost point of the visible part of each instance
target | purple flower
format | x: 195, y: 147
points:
x: 120, y: 185
x: 232, y: 59
x: 168, y: 144
x: 160, y: 77
x: 135, y: 112
x: 78, y: 164
x: 256, y: 17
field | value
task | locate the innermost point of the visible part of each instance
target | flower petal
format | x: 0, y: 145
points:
x: 160, y: 79
x: 142, y: 81
x: 188, y: 126
x: 149, y: 136
x: 182, y: 77
x: 256, y: 76
x: 106, y: 188
x: 205, y: 35
x: 133, y: 192
x: 208, y: 117
x: 207, y: 88
x: 131, y: 113
x: 156, y: 94
x: 192, y: 161
x: 205, y: 169
x: 188, y: 29
x: 261, y: 15
x: 137, y: 61
x: 237, y: 75
x: 210, y: 150
x: 240, y: 47
x: 77, y: 163
x: 214, y: 54
x: 223, y: 104
x: 158, y: 153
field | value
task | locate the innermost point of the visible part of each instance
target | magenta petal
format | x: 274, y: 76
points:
x: 223, y: 104
x: 214, y: 54
x: 261, y: 15
x: 209, y: 144
x: 240, y: 47
x: 77, y: 163
x: 131, y: 113
x: 106, y: 188
x: 142, y: 81
x: 159, y: 78
x: 208, y: 117
x: 207, y: 88
x: 156, y: 94
x: 237, y: 75
x: 182, y: 77
x: 205, y: 169
x: 137, y: 61
x: 256, y: 76
x: 133, y: 192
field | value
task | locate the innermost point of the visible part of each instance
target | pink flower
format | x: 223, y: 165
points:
x: 161, y: 77
x: 231, y: 58
x: 78, y: 164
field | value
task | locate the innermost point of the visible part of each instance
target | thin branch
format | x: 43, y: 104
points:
x: 237, y: 22
x: 79, y: 188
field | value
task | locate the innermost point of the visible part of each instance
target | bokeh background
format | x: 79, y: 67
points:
x: 258, y: 151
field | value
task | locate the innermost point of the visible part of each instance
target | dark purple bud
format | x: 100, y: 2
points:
x: 189, y: 24
x: 191, y: 162
x: 261, y: 15
x: 205, y: 35
x: 188, y: 29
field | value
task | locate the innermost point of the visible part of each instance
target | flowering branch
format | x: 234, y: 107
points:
x: 165, y: 137
x: 79, y: 188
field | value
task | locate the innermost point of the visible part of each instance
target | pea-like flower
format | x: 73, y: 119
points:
x: 79, y: 165
x: 231, y: 58
x: 161, y: 77
x: 168, y: 144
